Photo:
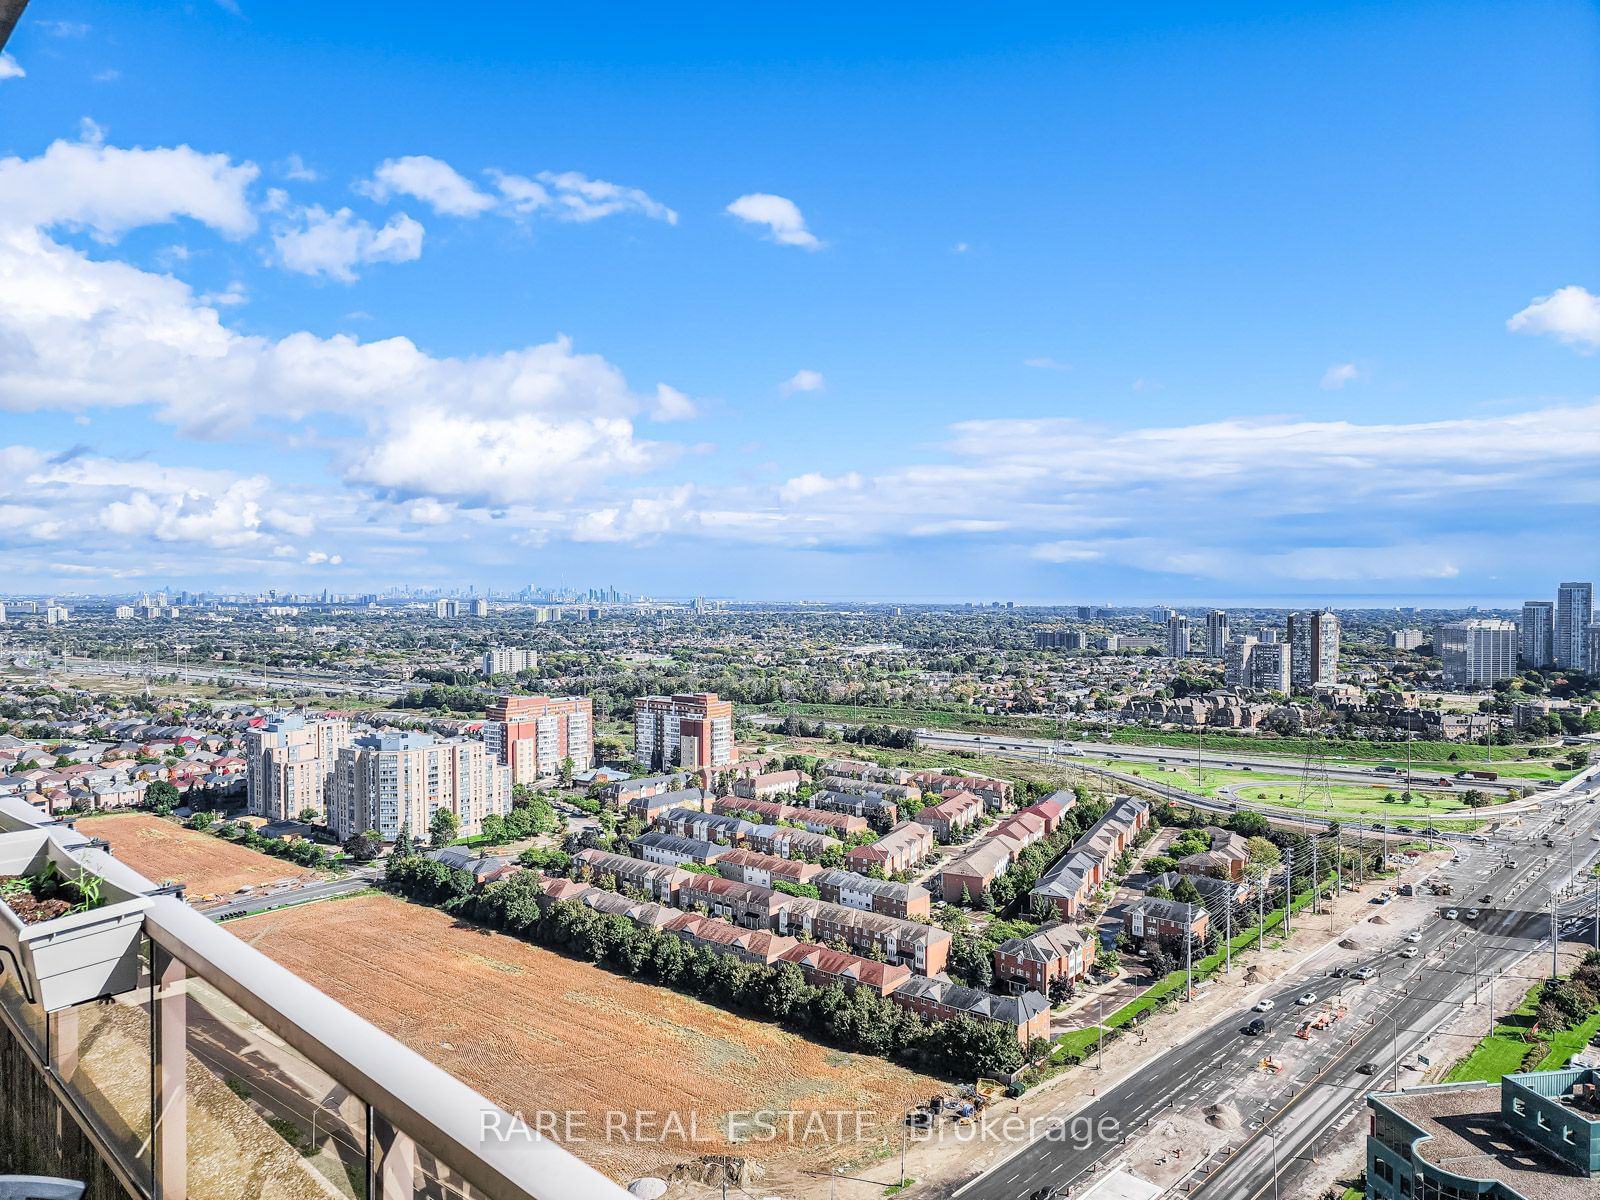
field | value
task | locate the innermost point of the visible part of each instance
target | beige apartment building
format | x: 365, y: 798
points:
x: 384, y: 781
x: 289, y: 765
x: 693, y: 731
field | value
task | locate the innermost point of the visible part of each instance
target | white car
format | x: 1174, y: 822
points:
x: 1414, y: 936
x: 1410, y: 952
x: 1472, y: 914
x: 1308, y: 998
x: 1364, y: 973
x: 1263, y: 1006
x: 1451, y: 914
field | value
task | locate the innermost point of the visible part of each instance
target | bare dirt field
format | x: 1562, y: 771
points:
x: 540, y: 1033
x: 160, y: 850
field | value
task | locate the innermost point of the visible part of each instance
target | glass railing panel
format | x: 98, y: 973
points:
x: 102, y: 1054
x: 25, y: 1017
x: 264, y: 1123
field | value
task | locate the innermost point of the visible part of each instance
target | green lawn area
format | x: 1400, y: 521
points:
x: 1349, y: 800
x: 1505, y: 1051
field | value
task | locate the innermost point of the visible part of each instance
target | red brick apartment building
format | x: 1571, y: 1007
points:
x: 533, y: 734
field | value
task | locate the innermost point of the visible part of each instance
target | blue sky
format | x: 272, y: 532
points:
x: 1057, y: 304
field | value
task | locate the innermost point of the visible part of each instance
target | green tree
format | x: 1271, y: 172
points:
x: 443, y: 828
x: 404, y: 844
x: 566, y: 771
x: 309, y: 816
x: 162, y: 797
x: 364, y: 847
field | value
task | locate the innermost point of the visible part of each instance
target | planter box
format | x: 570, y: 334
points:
x: 73, y: 958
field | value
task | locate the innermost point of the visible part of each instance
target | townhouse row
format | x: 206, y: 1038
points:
x: 869, y: 916
x: 1026, y: 1013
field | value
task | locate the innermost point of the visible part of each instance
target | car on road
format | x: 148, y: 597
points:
x: 1365, y: 973
x: 1263, y: 1006
x: 1451, y: 914
x: 1368, y: 1068
x: 1486, y: 898
x: 1409, y: 952
x: 1472, y: 914
x: 1414, y: 936
x: 1255, y: 1028
x: 1307, y: 998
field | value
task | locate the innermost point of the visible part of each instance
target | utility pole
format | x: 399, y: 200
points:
x: 1227, y: 941
x: 1188, y: 954
x: 1596, y: 890
x: 1261, y: 915
x: 1553, y: 959
x: 1100, y: 1032
x: 1288, y: 890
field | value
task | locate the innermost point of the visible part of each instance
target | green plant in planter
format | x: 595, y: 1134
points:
x: 49, y: 894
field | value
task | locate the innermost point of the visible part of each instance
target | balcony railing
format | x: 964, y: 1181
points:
x: 223, y: 1076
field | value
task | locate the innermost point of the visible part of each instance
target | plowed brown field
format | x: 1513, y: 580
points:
x: 539, y: 1033
x: 160, y: 850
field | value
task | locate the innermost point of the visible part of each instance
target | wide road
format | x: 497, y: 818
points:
x: 266, y: 901
x: 1407, y: 1001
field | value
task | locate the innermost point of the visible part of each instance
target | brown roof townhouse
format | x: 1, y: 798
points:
x: 951, y: 815
x: 902, y: 848
x: 873, y: 895
x: 1036, y: 961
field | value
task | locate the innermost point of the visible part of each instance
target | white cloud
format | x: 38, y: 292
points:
x: 573, y: 196
x: 669, y: 404
x: 1570, y: 314
x: 315, y: 557
x: 428, y: 511
x: 579, y: 198
x: 642, y: 517
x: 107, y: 191
x: 803, y: 380
x: 334, y: 244
x: 294, y: 167
x: 814, y: 483
x: 62, y: 29
x: 1046, y: 363
x: 781, y: 216
x: 229, y: 297
x: 10, y: 68
x: 431, y: 180
x: 1336, y: 376
x: 109, y: 75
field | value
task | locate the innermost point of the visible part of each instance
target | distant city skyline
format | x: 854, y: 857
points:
x: 1059, y: 303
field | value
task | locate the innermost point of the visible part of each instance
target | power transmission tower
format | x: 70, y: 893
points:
x: 1314, y: 782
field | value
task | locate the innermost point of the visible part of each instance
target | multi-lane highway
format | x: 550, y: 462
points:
x: 1339, y: 771
x: 1406, y: 1002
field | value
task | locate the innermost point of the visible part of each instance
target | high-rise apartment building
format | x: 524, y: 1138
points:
x: 56, y: 614
x: 1477, y: 651
x: 692, y: 731
x: 1592, y: 649
x: 480, y: 607
x: 1313, y: 649
x: 446, y: 608
x: 532, y: 734
x: 1236, y: 662
x: 289, y: 765
x: 384, y: 781
x: 1574, y: 611
x: 1406, y: 639
x: 1177, y: 635
x: 1537, y: 633
x: 1216, y: 633
x: 124, y: 612
x: 1269, y: 667
x: 506, y: 660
